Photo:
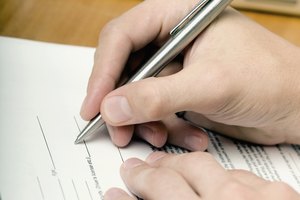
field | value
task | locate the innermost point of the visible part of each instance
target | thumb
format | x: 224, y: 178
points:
x: 151, y: 99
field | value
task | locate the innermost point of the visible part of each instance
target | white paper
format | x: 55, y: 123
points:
x: 42, y: 87
x: 274, y: 163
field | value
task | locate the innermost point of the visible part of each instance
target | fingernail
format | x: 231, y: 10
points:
x: 145, y: 132
x: 111, y: 132
x: 131, y: 163
x: 193, y: 142
x: 114, y: 194
x: 117, y: 109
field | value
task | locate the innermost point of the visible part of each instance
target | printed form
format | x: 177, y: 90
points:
x: 42, y: 87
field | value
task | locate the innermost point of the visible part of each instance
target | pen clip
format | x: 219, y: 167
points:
x: 188, y: 17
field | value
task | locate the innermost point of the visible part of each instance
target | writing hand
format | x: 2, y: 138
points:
x: 240, y: 80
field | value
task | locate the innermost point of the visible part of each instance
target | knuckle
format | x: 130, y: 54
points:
x: 239, y: 172
x: 109, y: 28
x: 202, y: 156
x: 280, y: 187
x: 153, y: 102
x: 155, y: 176
x: 224, y: 87
x: 113, y: 32
x: 235, y: 190
x: 281, y: 190
x: 196, y: 159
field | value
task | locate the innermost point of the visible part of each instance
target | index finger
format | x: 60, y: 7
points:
x: 200, y: 169
x: 147, y: 22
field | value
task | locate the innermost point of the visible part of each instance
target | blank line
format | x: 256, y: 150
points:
x: 77, y: 124
x: 40, y: 186
x: 46, y: 142
x: 87, y: 185
x: 87, y: 150
x: 61, y: 189
x: 120, y: 154
x: 75, y: 189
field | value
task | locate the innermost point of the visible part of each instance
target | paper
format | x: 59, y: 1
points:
x: 274, y: 163
x: 42, y: 87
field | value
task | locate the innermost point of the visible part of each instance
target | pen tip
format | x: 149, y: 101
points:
x: 77, y: 141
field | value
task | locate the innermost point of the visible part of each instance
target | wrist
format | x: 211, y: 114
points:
x: 291, y: 128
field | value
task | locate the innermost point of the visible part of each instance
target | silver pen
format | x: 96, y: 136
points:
x: 183, y: 34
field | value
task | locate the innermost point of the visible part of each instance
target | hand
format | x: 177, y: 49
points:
x: 238, y: 78
x: 118, y: 43
x: 193, y: 176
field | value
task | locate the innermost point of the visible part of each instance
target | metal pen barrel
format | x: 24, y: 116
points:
x: 189, y: 29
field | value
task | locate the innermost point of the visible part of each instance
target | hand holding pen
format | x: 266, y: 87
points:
x: 238, y: 79
x: 181, y: 36
x: 218, y: 81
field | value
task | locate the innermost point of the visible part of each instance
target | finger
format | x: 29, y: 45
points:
x: 182, y: 134
x: 175, y: 131
x: 117, y: 194
x: 200, y: 170
x: 245, y: 133
x: 171, y: 68
x: 108, y: 64
x: 263, y: 186
x: 153, y: 132
x: 248, y: 178
x: 143, y: 180
x: 153, y: 99
x: 121, y: 135
x: 117, y: 40
x: 96, y: 90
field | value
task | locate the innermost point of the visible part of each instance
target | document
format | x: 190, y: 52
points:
x: 42, y: 88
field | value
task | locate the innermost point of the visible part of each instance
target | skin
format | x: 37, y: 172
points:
x: 236, y: 78
x: 160, y: 174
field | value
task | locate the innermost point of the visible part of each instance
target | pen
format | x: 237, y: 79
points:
x: 184, y: 33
